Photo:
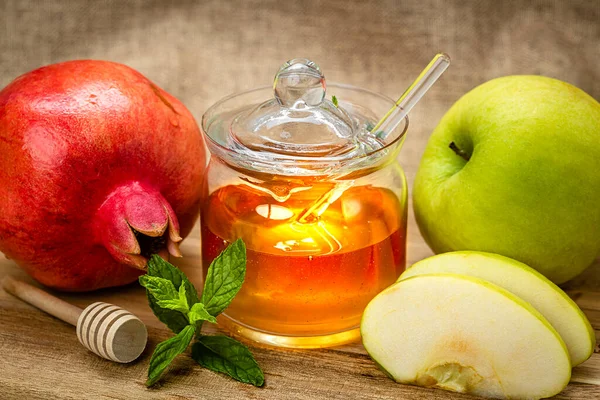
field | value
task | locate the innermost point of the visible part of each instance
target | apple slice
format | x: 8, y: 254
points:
x: 467, y: 335
x: 528, y: 284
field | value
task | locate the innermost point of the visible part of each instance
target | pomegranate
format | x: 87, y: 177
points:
x: 99, y: 169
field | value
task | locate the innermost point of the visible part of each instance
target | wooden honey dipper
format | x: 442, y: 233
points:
x: 105, y: 329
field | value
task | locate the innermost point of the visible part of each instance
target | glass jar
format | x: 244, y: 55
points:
x: 319, y: 200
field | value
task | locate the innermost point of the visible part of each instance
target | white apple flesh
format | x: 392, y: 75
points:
x: 466, y: 335
x: 525, y: 282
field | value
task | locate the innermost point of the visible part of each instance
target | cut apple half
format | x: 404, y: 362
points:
x: 525, y: 282
x: 466, y: 335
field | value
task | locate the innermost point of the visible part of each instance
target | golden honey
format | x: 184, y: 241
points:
x: 307, y: 277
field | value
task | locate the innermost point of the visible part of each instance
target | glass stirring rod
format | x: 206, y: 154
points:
x: 385, y: 126
x: 412, y: 95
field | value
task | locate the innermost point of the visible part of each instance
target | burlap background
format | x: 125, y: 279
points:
x: 201, y: 51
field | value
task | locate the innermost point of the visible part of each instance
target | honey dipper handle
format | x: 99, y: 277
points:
x: 42, y: 300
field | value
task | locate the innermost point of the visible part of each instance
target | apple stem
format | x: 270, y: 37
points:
x: 460, y: 152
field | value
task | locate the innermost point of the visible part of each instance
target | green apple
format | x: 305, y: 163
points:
x: 467, y: 335
x: 525, y: 282
x: 514, y: 168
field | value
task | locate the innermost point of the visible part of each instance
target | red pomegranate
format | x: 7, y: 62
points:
x: 99, y: 168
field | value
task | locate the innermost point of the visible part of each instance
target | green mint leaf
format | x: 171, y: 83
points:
x: 160, y: 288
x: 165, y: 294
x: 163, y: 269
x: 175, y: 320
x: 199, y: 313
x: 224, y: 278
x: 183, y: 298
x: 227, y: 355
x: 335, y: 101
x: 166, y: 352
x: 178, y: 304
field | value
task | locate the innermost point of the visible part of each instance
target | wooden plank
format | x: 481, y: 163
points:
x: 587, y: 300
x: 588, y: 372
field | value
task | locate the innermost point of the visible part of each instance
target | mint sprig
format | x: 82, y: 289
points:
x: 175, y: 302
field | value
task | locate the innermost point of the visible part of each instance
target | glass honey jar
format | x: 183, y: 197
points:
x: 319, y: 199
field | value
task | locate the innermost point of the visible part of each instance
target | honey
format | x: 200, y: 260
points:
x: 310, y: 271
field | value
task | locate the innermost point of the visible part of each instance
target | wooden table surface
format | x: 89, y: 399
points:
x: 40, y: 357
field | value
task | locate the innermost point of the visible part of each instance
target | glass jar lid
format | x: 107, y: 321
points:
x: 299, y: 120
x: 299, y: 131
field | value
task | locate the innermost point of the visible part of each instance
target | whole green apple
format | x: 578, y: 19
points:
x: 514, y: 168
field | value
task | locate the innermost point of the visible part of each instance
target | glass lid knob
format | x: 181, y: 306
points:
x: 299, y: 120
x: 299, y: 82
